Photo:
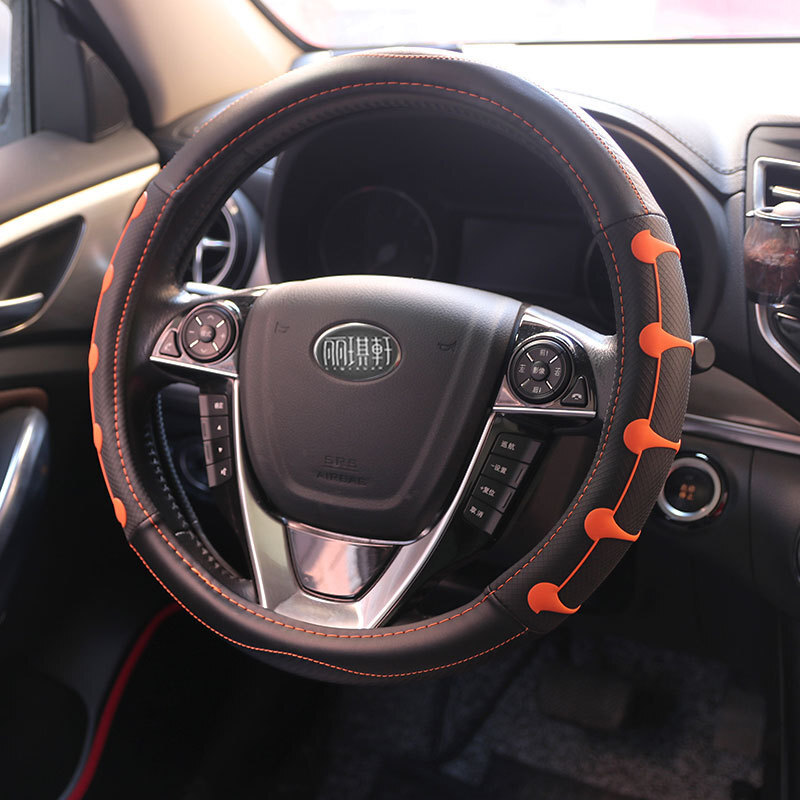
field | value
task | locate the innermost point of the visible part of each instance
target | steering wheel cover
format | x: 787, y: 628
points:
x: 642, y: 422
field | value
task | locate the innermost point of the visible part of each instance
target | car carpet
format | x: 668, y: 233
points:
x: 201, y: 720
x: 504, y: 778
x: 664, y: 751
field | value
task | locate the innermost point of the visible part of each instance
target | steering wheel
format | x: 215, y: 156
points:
x: 359, y: 429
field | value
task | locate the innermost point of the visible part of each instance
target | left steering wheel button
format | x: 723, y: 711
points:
x: 217, y: 450
x: 213, y: 405
x: 219, y: 473
x: 169, y: 347
x: 214, y: 427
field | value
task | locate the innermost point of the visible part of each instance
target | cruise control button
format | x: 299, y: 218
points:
x: 577, y: 396
x: 493, y: 493
x: 217, y: 450
x: 482, y: 516
x: 504, y: 470
x: 213, y: 405
x: 521, y: 448
x: 214, y: 427
x: 219, y: 473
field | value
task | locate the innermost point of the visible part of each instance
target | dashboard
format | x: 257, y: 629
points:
x: 408, y: 195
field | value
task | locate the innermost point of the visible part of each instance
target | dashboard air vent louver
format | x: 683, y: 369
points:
x: 225, y: 254
x: 216, y: 250
x: 775, y: 181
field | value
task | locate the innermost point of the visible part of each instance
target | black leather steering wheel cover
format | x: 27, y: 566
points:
x: 136, y: 301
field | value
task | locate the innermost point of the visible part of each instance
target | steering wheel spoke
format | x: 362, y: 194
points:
x: 328, y: 578
x: 201, y: 341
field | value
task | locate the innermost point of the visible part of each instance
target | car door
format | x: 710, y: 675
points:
x: 72, y: 164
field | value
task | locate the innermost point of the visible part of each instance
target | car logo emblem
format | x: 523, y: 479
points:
x: 357, y: 351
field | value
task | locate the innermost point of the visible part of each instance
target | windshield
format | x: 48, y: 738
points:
x: 356, y: 23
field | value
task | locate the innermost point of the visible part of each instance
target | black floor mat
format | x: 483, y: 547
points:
x: 27, y: 697
x: 504, y: 778
x: 403, y: 781
x: 514, y: 781
x: 665, y: 751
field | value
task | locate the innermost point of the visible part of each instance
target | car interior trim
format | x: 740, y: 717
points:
x: 24, y: 470
x: 739, y: 433
x: 700, y: 464
x: 764, y: 328
x: 72, y: 205
x: 760, y: 177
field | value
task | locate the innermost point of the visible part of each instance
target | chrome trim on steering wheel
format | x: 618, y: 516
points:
x: 334, y: 567
x: 274, y: 571
x: 226, y: 367
x: 589, y: 349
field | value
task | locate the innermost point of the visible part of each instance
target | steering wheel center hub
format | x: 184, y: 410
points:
x: 361, y: 398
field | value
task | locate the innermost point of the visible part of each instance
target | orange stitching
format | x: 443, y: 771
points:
x: 648, y: 254
x: 325, y: 663
x: 604, y: 144
x: 135, y: 277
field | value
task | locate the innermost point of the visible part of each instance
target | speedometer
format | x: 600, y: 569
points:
x: 378, y: 230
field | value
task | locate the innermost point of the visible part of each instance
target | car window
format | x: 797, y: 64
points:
x: 5, y: 58
x: 353, y: 23
x: 13, y: 111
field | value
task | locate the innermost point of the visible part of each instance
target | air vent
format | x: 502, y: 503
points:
x: 226, y: 252
x: 774, y: 181
x: 215, y: 252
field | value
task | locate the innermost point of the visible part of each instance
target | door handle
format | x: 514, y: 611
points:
x: 18, y: 309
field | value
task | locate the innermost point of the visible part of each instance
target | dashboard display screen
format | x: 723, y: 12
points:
x: 523, y: 259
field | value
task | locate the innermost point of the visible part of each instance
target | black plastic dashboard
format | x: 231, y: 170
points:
x: 447, y: 200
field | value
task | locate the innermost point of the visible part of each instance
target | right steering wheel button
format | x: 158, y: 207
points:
x: 512, y: 445
x: 493, y: 493
x: 504, y: 470
x: 577, y: 396
x: 482, y: 516
x: 538, y: 371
